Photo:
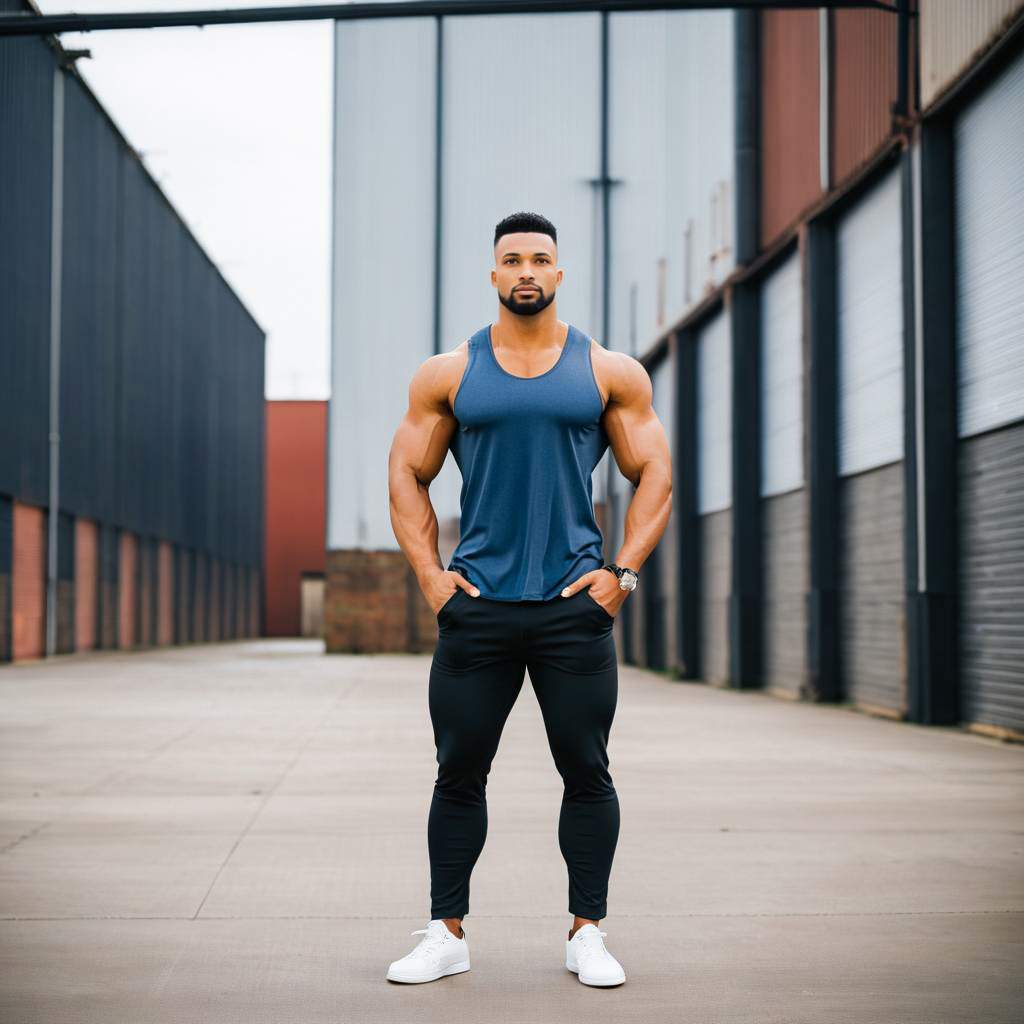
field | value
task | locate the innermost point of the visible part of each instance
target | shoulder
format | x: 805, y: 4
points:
x: 621, y: 376
x: 438, y: 377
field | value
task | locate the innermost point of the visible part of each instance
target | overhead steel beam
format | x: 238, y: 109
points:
x: 47, y: 24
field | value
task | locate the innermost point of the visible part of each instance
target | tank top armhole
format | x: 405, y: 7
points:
x: 601, y: 403
x: 470, y: 359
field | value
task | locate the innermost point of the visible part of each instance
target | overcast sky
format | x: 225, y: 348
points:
x: 234, y: 122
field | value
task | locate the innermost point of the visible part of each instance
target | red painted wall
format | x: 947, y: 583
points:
x: 296, y: 508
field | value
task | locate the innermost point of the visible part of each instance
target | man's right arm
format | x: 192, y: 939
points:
x: 417, y: 454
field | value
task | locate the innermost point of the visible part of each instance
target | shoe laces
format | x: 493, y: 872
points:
x: 591, y: 944
x: 431, y: 943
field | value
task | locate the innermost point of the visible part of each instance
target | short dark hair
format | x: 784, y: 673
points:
x: 523, y: 221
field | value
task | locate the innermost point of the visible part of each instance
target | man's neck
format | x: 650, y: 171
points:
x: 528, y: 332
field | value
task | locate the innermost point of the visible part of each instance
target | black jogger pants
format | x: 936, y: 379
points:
x: 484, y: 649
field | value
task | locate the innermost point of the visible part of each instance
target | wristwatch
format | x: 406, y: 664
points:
x: 627, y: 577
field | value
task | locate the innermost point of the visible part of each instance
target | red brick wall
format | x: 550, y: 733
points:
x: 165, y: 590
x: 373, y: 603
x: 86, y: 568
x: 126, y: 590
x: 28, y: 618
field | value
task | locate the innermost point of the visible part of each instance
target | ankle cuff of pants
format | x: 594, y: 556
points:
x: 590, y: 913
x: 436, y: 914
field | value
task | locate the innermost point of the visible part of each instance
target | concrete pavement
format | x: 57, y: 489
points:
x: 237, y: 832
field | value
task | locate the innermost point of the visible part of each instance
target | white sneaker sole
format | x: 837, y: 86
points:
x: 599, y: 984
x: 411, y: 979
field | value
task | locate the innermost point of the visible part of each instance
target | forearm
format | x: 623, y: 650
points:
x: 646, y: 517
x: 414, y: 522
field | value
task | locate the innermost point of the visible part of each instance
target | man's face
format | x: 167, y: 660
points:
x: 525, y: 273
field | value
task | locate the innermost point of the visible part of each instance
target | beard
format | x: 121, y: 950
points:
x: 527, y: 307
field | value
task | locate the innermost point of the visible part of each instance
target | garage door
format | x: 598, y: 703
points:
x: 714, y: 493
x: 990, y: 343
x: 783, y: 497
x: 870, y: 336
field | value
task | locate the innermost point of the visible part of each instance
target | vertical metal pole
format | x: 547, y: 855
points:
x: 438, y: 166
x: 56, y: 244
x: 824, y: 99
x: 606, y: 225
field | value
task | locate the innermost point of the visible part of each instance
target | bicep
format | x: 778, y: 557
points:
x: 422, y: 438
x: 635, y: 434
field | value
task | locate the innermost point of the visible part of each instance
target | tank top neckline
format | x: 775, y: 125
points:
x: 514, y: 376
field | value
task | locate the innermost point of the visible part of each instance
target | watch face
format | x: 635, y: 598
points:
x: 627, y: 581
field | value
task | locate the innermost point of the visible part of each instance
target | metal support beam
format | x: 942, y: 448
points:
x: 930, y: 465
x: 684, y: 489
x: 818, y: 258
x: 745, y: 562
x: 47, y: 24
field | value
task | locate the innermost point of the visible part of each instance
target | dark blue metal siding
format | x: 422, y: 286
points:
x: 161, y: 364
x: 89, y: 310
x: 26, y: 157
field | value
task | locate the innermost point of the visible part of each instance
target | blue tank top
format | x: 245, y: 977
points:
x: 526, y: 448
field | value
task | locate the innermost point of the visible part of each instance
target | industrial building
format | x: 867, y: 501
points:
x: 131, y: 390
x: 809, y: 226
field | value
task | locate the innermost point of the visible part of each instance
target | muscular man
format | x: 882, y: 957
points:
x: 527, y: 407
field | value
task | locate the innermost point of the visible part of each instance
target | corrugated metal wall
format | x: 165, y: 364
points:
x: 989, y: 156
x: 785, y: 532
x: 953, y: 34
x: 989, y: 140
x: 870, y: 322
x: 714, y: 474
x: 672, y: 207
x: 161, y: 396
x: 790, y: 177
x: 992, y: 578
x: 870, y: 397
x: 382, y: 191
x: 26, y: 145
x: 714, y: 412
x: 872, y: 599
x: 716, y: 562
x: 864, y: 86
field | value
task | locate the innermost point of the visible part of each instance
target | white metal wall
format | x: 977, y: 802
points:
x: 671, y: 78
x: 990, y: 255
x: 952, y: 34
x: 781, y: 380
x: 870, y: 331
x: 383, y: 218
x: 714, y: 416
x: 521, y: 130
x: 511, y: 84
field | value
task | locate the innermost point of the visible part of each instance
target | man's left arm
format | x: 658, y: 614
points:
x: 641, y: 451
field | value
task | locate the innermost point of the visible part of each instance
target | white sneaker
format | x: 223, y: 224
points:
x: 438, y: 953
x: 586, y: 956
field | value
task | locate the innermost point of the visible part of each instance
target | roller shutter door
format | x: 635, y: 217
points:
x: 784, y: 505
x: 872, y: 604
x: 989, y: 190
x: 714, y: 493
